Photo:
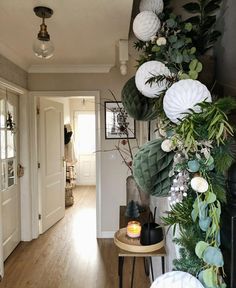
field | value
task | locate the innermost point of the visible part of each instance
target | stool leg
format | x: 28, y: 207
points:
x: 163, y: 264
x: 120, y: 270
x: 146, y: 266
x: 150, y: 259
x: 132, y: 279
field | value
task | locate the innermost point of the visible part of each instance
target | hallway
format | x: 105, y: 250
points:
x: 69, y: 256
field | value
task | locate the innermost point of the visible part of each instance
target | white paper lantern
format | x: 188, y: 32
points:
x: 182, y: 96
x: 155, y: 6
x: 145, y: 25
x: 145, y: 72
x: 176, y: 279
x: 199, y: 184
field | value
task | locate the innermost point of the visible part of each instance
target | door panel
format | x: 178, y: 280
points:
x: 10, y: 197
x: 51, y: 145
x: 87, y: 169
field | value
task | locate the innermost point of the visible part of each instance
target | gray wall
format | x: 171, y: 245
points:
x: 113, y: 171
x: 13, y: 73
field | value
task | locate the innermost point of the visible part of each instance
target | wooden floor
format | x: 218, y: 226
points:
x: 69, y: 256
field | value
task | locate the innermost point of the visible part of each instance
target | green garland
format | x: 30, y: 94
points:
x: 202, y: 142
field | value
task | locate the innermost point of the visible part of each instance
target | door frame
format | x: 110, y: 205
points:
x: 33, y: 148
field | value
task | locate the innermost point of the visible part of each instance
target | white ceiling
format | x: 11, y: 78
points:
x: 84, y: 32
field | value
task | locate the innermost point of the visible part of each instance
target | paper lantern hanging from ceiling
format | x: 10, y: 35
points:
x: 182, y: 96
x: 177, y: 279
x: 145, y: 72
x: 145, y: 25
x: 136, y: 105
x: 155, y: 6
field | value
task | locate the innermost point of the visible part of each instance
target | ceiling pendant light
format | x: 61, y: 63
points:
x: 43, y: 47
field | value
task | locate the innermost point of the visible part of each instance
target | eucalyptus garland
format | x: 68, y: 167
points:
x: 201, y: 140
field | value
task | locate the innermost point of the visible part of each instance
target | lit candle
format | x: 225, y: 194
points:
x: 133, y: 229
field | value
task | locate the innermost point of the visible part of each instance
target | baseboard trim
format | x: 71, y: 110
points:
x: 107, y: 234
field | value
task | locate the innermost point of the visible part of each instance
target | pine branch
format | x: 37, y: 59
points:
x: 159, y: 79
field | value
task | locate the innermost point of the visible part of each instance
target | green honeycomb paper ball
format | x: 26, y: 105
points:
x: 136, y: 105
x: 151, y: 167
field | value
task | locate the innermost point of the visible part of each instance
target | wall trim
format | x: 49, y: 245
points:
x: 34, y: 160
x: 107, y: 234
x: 83, y: 68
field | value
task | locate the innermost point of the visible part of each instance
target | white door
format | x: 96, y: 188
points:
x: 51, y: 157
x: 85, y: 147
x: 9, y: 184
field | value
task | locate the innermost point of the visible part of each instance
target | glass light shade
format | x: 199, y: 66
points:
x: 43, y: 49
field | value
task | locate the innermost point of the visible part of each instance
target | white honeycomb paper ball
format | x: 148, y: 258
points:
x: 155, y: 6
x: 145, y: 25
x: 176, y: 279
x: 182, y: 96
x: 145, y: 72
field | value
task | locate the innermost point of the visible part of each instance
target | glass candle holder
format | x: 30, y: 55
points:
x: 133, y: 229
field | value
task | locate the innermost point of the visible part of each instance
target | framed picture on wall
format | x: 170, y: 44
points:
x: 118, y: 124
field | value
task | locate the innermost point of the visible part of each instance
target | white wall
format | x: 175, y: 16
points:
x: 66, y: 105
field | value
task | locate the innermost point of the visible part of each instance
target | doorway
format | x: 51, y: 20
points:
x: 72, y: 96
x: 83, y: 110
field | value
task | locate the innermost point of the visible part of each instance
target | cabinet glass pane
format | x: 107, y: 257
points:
x: 10, y: 145
x: 3, y: 176
x: 11, y: 173
x: 2, y: 113
x: 3, y: 144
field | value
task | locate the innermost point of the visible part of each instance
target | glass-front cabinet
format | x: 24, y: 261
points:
x: 8, y: 119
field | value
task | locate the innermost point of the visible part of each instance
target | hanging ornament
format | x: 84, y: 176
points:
x: 137, y: 106
x: 145, y: 72
x: 182, y: 96
x: 151, y: 167
x: 145, y: 25
x: 179, y: 187
x: 199, y: 184
x: 155, y: 6
x: 193, y: 166
x: 167, y: 145
x: 176, y: 279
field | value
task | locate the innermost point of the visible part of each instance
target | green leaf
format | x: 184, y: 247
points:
x: 211, y: 7
x: 193, y: 50
x: 209, y: 277
x: 213, y: 256
x: 200, y: 248
x: 179, y: 58
x: 205, y: 223
x: 172, y: 39
x: 199, y: 67
x: 192, y: 7
x: 193, y: 74
x: 188, y: 26
x: 178, y: 44
x: 171, y: 23
x: 184, y: 76
x: 210, y: 197
x: 156, y: 48
x: 193, y: 64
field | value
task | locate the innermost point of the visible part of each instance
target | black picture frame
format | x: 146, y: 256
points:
x: 118, y: 124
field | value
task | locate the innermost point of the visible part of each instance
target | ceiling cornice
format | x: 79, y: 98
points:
x: 84, y: 68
